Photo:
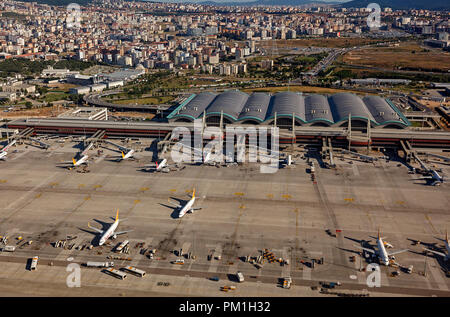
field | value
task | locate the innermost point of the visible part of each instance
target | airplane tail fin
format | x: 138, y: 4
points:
x: 446, y: 236
x: 123, y: 155
x: 117, y: 215
x: 193, y: 193
x: 74, y: 161
x: 156, y: 164
x: 379, y: 235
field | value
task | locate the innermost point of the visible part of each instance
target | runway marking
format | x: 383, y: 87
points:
x: 215, y: 263
x: 349, y: 199
x: 355, y: 170
x: 30, y: 192
x: 19, y: 155
x: 286, y: 269
x: 431, y: 224
x: 286, y: 196
x: 2, y: 181
x: 441, y: 283
x: 100, y: 158
x: 239, y: 194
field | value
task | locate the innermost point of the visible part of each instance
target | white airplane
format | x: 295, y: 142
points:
x: 187, y: 208
x: 4, y: 151
x: 82, y: 160
x: 110, y: 232
x: 128, y: 155
x: 382, y: 254
x: 433, y: 176
x: 162, y: 166
x: 447, y: 247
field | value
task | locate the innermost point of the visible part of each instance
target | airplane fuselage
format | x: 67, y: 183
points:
x: 108, y: 233
x: 128, y: 155
x: 186, y: 207
x: 382, y: 254
x: 161, y: 165
x: 81, y: 161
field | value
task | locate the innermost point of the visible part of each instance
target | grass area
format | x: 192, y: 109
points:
x: 55, y: 96
x: 143, y: 101
x: 305, y: 89
x: 340, y: 42
x: 406, y: 56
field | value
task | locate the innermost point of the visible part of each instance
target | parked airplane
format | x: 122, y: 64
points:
x: 129, y: 154
x: 432, y: 175
x: 4, y: 151
x: 381, y: 252
x: 110, y: 232
x: 446, y: 256
x: 82, y: 160
x: 187, y: 208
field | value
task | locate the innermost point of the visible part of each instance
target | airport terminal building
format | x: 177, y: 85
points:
x: 286, y: 108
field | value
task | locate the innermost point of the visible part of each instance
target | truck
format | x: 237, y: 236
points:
x: 34, y: 263
x: 240, y: 277
x: 8, y: 248
x: 99, y: 264
x: 287, y: 281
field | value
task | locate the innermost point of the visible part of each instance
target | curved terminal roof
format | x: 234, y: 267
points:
x: 317, y: 108
x: 230, y: 102
x: 285, y: 104
x: 343, y: 104
x: 381, y: 111
x: 256, y: 107
x: 261, y: 107
x: 194, y: 108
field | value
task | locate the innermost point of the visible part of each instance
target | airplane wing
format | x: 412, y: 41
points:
x: 437, y: 252
x: 122, y: 232
x: 397, y: 252
x: 93, y: 228
x: 366, y: 249
x: 173, y: 204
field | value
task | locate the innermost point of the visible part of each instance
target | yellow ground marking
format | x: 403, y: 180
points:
x: 429, y: 221
x: 239, y: 194
x: 270, y: 196
x: 87, y: 197
x: 400, y: 202
x: 81, y: 185
x: 173, y: 190
x: 2, y: 181
x: 144, y: 189
x: 54, y: 184
x: 349, y: 199
x: 137, y: 201
x: 242, y: 206
x: 38, y: 195
x: 188, y: 191
x: 286, y: 196
x: 98, y: 186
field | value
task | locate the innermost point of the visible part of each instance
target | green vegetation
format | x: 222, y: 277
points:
x: 26, y: 67
x: 286, y: 67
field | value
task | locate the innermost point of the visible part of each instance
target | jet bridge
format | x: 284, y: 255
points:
x: 363, y: 157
